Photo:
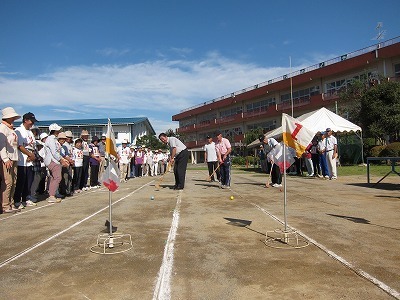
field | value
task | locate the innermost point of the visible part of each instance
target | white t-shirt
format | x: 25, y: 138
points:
x: 26, y: 139
x: 77, y: 156
x: 124, y: 154
x: 331, y: 141
x: 211, y: 152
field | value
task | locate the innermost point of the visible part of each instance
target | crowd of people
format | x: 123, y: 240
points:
x: 320, y: 158
x: 38, y: 165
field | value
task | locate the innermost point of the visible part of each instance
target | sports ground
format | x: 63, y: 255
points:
x: 197, y: 243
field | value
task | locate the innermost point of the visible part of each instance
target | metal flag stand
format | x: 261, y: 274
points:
x: 288, y: 238
x: 111, y: 243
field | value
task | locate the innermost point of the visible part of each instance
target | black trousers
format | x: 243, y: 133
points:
x: 94, y: 175
x: 23, y: 185
x: 180, y: 166
x: 276, y: 176
x: 212, y: 165
x: 85, y: 171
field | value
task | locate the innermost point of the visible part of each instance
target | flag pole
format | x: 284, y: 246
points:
x: 284, y: 187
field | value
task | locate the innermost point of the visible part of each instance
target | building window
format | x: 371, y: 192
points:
x: 301, y: 94
x: 260, y: 105
x: 266, y: 126
x: 397, y: 70
x: 231, y: 112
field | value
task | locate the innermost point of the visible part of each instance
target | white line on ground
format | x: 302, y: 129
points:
x: 332, y: 254
x: 163, y: 286
x: 27, y: 250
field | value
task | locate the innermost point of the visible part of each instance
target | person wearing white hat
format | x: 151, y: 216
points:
x: 8, y: 159
x: 26, y: 157
x: 54, y: 161
x: 86, y: 159
x: 124, y: 157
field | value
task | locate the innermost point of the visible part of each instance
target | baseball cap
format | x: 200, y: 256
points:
x: 209, y: 137
x: 328, y: 129
x: 29, y: 116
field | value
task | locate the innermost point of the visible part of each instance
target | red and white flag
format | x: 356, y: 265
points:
x: 111, y: 145
x: 276, y: 156
x: 110, y: 176
x: 295, y: 135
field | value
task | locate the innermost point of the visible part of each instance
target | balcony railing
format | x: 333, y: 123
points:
x: 380, y: 45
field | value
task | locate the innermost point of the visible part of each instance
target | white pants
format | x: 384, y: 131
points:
x: 331, y: 164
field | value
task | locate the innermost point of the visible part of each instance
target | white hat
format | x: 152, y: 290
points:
x: 68, y: 133
x: 55, y: 127
x: 9, y: 112
x: 125, y: 141
x: 43, y: 135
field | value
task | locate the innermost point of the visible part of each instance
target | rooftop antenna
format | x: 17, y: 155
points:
x: 381, y: 33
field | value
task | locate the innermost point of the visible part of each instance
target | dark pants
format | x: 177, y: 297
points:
x: 276, y: 176
x: 37, y: 179
x: 138, y: 168
x: 85, y: 172
x: 180, y: 166
x: 316, y: 165
x: 76, y: 180
x: 212, y: 166
x: 66, y: 181
x: 226, y: 171
x: 23, y: 184
x: 94, y: 175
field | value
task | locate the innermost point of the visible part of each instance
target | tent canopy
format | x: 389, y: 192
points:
x: 317, y: 120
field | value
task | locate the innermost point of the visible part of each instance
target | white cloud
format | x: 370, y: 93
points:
x: 156, y: 89
x: 113, y: 52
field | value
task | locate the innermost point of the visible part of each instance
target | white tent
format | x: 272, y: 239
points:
x: 317, y: 120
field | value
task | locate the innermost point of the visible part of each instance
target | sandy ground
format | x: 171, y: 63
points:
x: 199, y: 244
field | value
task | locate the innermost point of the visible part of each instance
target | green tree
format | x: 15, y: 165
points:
x: 151, y: 141
x: 253, y: 135
x: 376, y: 107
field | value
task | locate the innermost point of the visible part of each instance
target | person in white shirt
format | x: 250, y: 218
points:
x: 124, y: 157
x: 25, y: 175
x: 268, y: 145
x: 179, y: 158
x: 77, y: 157
x: 322, y: 155
x: 331, y: 153
x: 156, y: 159
x: 211, y: 159
x: 8, y: 159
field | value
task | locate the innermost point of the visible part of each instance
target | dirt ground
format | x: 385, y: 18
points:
x: 199, y: 244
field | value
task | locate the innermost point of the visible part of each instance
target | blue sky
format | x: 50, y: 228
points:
x: 127, y: 58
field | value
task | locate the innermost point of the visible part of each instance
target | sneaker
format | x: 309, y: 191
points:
x: 53, y: 199
x: 334, y: 177
x: 9, y: 211
x: 277, y: 185
x: 60, y: 196
x: 30, y: 203
x: 326, y: 177
x: 31, y: 198
x: 19, y: 205
x: 319, y: 176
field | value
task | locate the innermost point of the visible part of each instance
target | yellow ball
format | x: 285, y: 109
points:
x: 232, y: 198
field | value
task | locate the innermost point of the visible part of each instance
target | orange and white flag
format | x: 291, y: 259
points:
x: 111, y: 145
x: 295, y: 135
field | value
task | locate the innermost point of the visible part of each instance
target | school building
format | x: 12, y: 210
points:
x: 302, y: 91
x: 124, y: 128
